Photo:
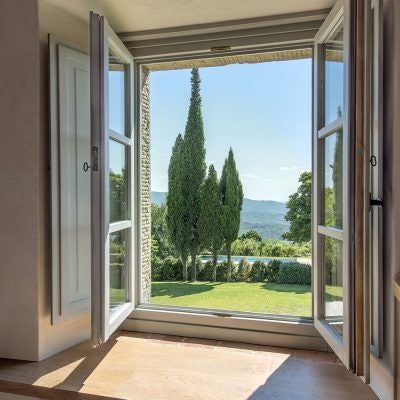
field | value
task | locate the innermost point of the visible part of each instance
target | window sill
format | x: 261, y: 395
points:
x: 259, y: 329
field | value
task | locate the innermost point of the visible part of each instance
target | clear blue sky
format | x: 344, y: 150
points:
x: 263, y: 111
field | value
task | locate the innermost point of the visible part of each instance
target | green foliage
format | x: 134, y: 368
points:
x: 294, y: 273
x: 337, y: 178
x: 275, y: 248
x: 269, y: 248
x: 193, y: 168
x: 118, y: 195
x: 178, y: 229
x: 206, y: 272
x: 272, y: 271
x: 160, y: 244
x: 246, y: 247
x: 168, y: 269
x: 210, y: 231
x: 232, y: 200
x: 222, y: 270
x: 243, y: 271
x: 299, y: 211
x: 258, y: 271
x: 251, y: 234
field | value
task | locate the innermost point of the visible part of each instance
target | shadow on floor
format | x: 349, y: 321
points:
x: 298, y: 379
x: 34, y: 373
x: 179, y: 289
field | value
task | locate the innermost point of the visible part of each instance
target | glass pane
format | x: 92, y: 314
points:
x: 118, y: 268
x: 334, y: 83
x: 116, y: 94
x: 333, y: 292
x: 118, y: 182
x: 333, y: 180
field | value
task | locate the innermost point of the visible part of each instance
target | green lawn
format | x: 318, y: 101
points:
x: 259, y: 297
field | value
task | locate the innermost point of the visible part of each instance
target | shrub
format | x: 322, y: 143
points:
x: 222, y: 270
x: 242, y: 272
x: 258, y: 271
x: 273, y: 269
x: 294, y: 273
x: 169, y: 269
x: 205, y: 272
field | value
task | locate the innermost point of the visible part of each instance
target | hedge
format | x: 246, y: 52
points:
x: 170, y: 269
x: 294, y: 273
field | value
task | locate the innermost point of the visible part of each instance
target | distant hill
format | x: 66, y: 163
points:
x: 267, y: 217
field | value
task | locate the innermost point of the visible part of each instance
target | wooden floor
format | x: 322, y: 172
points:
x: 143, y: 366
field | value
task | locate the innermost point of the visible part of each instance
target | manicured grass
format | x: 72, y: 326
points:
x: 259, y: 297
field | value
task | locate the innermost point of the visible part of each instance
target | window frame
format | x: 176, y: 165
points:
x: 146, y: 317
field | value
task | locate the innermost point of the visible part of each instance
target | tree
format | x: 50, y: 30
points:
x: 251, y: 234
x: 193, y: 168
x: 176, y: 213
x: 299, y: 211
x: 232, y: 199
x: 161, y: 246
x: 210, y: 230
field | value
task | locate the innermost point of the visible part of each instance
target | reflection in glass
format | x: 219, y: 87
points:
x: 333, y: 70
x: 333, y: 180
x: 118, y: 182
x: 333, y: 292
x: 116, y: 94
x: 118, y: 268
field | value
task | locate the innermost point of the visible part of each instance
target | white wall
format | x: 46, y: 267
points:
x: 26, y: 331
x: 19, y: 179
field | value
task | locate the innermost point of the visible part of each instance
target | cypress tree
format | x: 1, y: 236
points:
x: 232, y: 199
x: 176, y: 224
x: 210, y: 223
x: 194, y: 168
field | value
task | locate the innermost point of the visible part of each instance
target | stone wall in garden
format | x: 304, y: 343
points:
x: 145, y: 188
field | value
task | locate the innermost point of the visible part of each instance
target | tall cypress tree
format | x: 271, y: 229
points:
x: 210, y: 223
x: 194, y: 167
x: 232, y: 199
x: 176, y: 223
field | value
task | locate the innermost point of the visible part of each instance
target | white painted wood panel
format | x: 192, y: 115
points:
x: 71, y: 202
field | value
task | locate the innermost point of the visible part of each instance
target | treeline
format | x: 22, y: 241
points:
x: 202, y: 212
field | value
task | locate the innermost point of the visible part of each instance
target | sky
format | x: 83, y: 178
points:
x: 263, y: 111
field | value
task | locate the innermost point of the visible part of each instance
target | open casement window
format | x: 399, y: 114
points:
x: 331, y: 182
x: 111, y: 91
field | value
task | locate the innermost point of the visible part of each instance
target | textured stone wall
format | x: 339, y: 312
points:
x: 145, y: 187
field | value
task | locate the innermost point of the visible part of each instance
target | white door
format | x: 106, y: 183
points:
x: 331, y: 182
x: 112, y: 136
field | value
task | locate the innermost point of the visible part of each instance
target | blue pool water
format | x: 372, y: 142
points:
x: 251, y: 259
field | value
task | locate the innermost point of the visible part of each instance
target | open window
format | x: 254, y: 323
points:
x: 331, y: 183
x: 112, y: 180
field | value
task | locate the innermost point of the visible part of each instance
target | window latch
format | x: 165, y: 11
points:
x: 376, y: 202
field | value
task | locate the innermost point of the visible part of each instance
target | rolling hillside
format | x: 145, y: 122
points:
x: 264, y: 216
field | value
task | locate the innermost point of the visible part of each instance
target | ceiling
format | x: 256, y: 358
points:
x: 138, y: 15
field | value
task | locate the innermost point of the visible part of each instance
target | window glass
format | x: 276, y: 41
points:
x: 118, y: 182
x: 333, y: 180
x: 118, y: 268
x: 333, y: 71
x: 116, y: 95
x: 333, y: 292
